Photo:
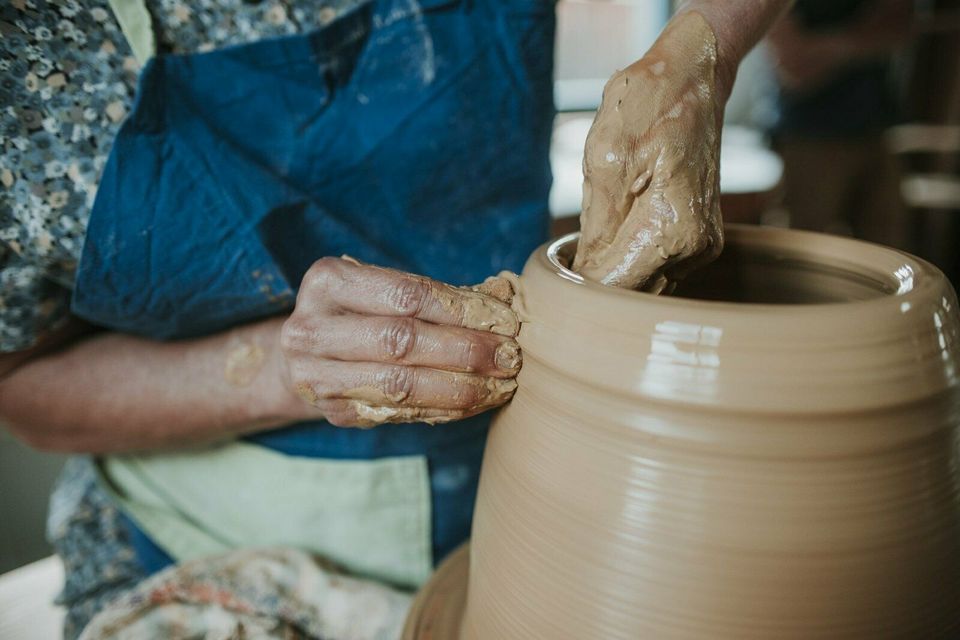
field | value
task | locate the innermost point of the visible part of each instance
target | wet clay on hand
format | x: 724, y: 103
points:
x: 650, y: 169
x: 374, y: 406
x: 243, y: 364
x: 367, y: 345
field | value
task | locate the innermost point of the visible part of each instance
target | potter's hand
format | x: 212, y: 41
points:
x: 367, y: 345
x: 651, y: 183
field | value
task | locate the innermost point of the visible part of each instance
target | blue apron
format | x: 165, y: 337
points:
x: 408, y: 134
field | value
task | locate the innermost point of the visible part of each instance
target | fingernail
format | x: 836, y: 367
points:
x: 507, y: 356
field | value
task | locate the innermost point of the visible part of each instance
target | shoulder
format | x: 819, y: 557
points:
x: 67, y: 78
x: 65, y: 83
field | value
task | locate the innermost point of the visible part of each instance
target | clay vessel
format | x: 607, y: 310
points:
x: 769, y: 453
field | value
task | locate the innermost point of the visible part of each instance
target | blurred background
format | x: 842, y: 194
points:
x: 26, y: 478
x: 846, y: 120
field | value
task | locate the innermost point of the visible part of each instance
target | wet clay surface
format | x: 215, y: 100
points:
x: 675, y: 468
x: 374, y: 406
x: 244, y: 362
x: 484, y: 307
x: 650, y: 181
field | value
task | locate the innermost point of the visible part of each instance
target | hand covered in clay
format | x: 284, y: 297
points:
x: 367, y: 345
x: 651, y: 208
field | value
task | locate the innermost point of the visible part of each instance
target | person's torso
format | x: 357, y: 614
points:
x: 408, y: 134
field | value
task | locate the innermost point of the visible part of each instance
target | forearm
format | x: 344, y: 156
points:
x: 114, y: 392
x: 738, y: 27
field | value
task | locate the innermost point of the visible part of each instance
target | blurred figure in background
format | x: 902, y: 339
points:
x: 834, y: 60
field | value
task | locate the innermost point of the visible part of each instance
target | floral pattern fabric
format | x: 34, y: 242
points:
x: 87, y: 531
x: 67, y: 80
x: 254, y: 594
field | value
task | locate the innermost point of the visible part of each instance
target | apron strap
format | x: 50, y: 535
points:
x: 137, y: 27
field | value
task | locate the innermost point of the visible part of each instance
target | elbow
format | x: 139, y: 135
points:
x: 33, y: 439
x: 29, y: 436
x: 32, y: 435
x: 53, y: 436
x: 33, y: 406
x: 44, y: 440
x: 20, y: 419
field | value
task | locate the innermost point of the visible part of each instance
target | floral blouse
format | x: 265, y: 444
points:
x: 67, y: 80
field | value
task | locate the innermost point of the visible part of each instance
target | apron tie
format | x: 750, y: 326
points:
x: 137, y: 27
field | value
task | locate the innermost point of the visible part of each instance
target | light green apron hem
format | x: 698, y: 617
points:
x: 371, y: 517
x: 137, y: 27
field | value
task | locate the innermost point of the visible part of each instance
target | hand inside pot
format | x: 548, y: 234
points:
x: 367, y: 345
x: 651, y: 193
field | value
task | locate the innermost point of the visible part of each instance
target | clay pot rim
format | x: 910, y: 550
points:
x: 910, y: 279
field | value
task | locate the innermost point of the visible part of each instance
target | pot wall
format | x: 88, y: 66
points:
x: 676, y: 468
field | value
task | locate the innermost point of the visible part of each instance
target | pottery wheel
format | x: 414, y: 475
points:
x: 438, y: 608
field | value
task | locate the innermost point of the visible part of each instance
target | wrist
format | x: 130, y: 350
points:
x: 736, y: 28
x: 287, y: 403
x: 688, y: 50
x: 724, y: 78
x: 270, y: 400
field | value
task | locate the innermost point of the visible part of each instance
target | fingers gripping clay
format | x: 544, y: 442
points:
x: 479, y: 309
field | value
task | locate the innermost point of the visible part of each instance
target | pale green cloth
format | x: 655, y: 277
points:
x: 137, y: 27
x: 370, y: 517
